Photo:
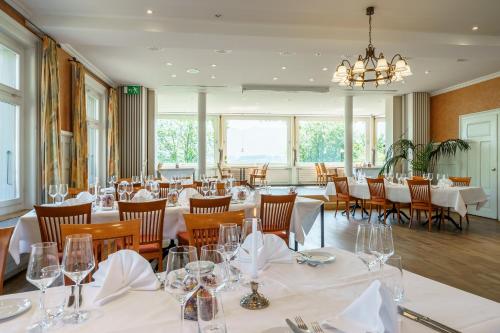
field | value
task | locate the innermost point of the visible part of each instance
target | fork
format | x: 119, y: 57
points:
x: 316, y: 327
x: 301, y: 324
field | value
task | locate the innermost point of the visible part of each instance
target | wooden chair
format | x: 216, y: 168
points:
x: 342, y: 194
x: 5, y: 234
x: 198, y: 185
x: 276, y: 213
x: 418, y: 178
x: 221, y: 189
x: 223, y: 172
x: 327, y: 175
x: 152, y: 214
x: 420, y: 193
x: 203, y: 229
x: 164, y: 190
x: 73, y: 192
x: 259, y: 173
x: 107, y: 238
x: 50, y: 219
x: 378, y: 198
x: 208, y: 206
x: 461, y: 181
x: 319, y: 174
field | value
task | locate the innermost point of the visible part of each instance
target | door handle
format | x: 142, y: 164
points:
x: 494, y: 169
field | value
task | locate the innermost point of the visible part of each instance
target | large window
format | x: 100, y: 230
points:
x: 320, y: 140
x: 256, y: 141
x: 379, y: 141
x: 360, y: 145
x: 177, y: 139
x: 93, y: 135
x: 11, y: 100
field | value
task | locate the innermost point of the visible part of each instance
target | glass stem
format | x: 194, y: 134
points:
x: 77, y: 299
x: 45, y: 317
x: 182, y: 316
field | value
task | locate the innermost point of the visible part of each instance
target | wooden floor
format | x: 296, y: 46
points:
x: 468, y: 260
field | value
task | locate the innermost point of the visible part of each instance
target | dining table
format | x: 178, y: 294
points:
x: 453, y: 197
x: 314, y: 293
x: 304, y: 214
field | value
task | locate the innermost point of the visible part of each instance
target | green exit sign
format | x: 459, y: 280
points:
x: 132, y: 90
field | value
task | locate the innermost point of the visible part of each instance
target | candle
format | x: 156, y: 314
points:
x: 255, y: 212
x: 254, y: 248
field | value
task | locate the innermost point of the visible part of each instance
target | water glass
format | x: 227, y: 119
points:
x: 43, y: 269
x: 122, y: 189
x: 53, y: 192
x: 393, y: 277
x: 78, y: 262
x: 205, y: 187
x: 213, y: 189
x: 155, y: 189
x: 63, y: 191
x: 210, y: 313
x: 219, y: 277
x: 229, y: 238
x: 129, y: 188
x: 362, y: 248
x: 112, y: 181
x: 55, y: 300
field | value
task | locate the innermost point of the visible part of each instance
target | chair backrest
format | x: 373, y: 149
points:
x: 203, y: 229
x: 341, y: 187
x: 73, y: 192
x: 164, y: 190
x: 417, y: 178
x: 50, y: 219
x: 264, y: 169
x: 420, y: 192
x: 5, y: 234
x: 243, y: 182
x: 209, y: 205
x: 276, y: 211
x: 198, y: 186
x: 221, y: 189
x: 461, y: 181
x: 317, y: 169
x: 377, y: 188
x: 151, y: 214
x: 322, y: 167
x: 108, y: 238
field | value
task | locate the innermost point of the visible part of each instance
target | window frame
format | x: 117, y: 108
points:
x: 289, y: 138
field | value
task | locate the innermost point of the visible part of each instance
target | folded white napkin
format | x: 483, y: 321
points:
x: 81, y: 198
x: 122, y: 271
x: 187, y: 194
x: 142, y: 195
x: 373, y: 311
x: 275, y: 250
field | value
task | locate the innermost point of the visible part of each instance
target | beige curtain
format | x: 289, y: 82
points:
x: 113, y: 153
x: 50, y: 127
x: 79, y: 150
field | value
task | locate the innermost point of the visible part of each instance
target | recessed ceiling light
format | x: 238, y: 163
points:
x: 173, y: 75
x: 317, y: 54
x: 275, y: 78
x: 168, y: 64
x: 213, y: 65
x: 475, y: 28
x: 220, y: 51
x: 311, y: 79
x: 155, y: 48
x: 218, y: 15
x: 324, y: 69
x: 462, y: 60
x: 212, y: 76
x: 192, y: 70
x: 149, y: 11
x: 283, y: 68
x: 427, y: 71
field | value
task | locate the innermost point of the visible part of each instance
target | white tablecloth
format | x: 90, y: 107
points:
x: 313, y: 293
x: 27, y: 231
x: 453, y: 197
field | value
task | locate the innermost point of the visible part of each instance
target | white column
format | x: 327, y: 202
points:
x: 348, y: 136
x: 202, y: 133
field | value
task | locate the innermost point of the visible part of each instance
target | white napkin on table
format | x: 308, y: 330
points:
x: 275, y: 250
x: 81, y: 198
x: 187, y: 194
x: 142, y: 195
x: 123, y: 271
x: 373, y: 311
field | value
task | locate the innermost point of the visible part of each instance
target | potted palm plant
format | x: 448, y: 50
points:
x: 421, y: 157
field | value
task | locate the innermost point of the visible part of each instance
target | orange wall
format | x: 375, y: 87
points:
x: 446, y: 108
x: 64, y: 90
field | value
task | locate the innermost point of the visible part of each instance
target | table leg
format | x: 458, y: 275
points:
x: 322, y: 216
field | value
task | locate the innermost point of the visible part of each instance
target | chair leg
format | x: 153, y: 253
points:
x: 411, y: 218
x: 336, y: 208
x: 430, y: 219
x: 347, y: 210
x: 385, y: 215
x: 160, y: 263
x: 442, y: 219
x: 370, y: 214
x: 467, y: 218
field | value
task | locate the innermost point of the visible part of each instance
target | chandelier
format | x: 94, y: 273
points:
x: 371, y: 68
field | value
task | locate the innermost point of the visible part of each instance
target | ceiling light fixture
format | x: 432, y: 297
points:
x: 213, y: 65
x: 427, y: 71
x: 475, y: 28
x: 283, y: 68
x: 275, y: 78
x: 212, y: 77
x: 221, y: 51
x: 192, y: 70
x: 311, y: 79
x: 371, y: 68
x: 169, y: 64
x: 286, y: 53
x: 149, y: 11
x: 324, y: 69
x: 317, y: 54
x: 173, y: 75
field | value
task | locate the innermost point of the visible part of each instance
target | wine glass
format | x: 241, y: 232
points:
x: 178, y: 186
x: 178, y: 283
x: 213, y: 189
x: 229, y: 238
x: 53, y: 192
x: 218, y: 278
x: 43, y: 270
x: 112, y: 180
x: 122, y: 188
x: 362, y: 249
x: 381, y: 242
x: 78, y: 262
x: 155, y: 189
x: 63, y: 191
x: 129, y: 188
x: 205, y: 187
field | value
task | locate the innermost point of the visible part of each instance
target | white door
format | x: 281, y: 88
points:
x: 481, y: 132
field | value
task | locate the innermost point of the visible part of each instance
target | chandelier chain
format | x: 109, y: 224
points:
x: 370, y: 30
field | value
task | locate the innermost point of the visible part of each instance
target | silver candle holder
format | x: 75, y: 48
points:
x: 254, y: 300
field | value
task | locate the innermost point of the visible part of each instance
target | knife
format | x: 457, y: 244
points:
x: 425, y: 320
x: 294, y: 327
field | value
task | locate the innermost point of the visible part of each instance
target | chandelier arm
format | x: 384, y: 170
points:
x: 347, y: 61
x: 397, y: 55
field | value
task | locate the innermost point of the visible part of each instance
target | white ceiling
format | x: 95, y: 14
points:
x: 115, y: 35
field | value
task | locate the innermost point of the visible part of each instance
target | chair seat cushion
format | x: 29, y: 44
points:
x: 149, y: 248
x: 183, y: 238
